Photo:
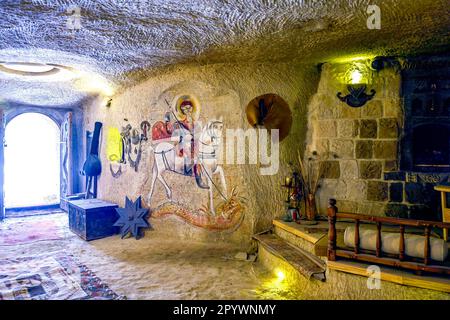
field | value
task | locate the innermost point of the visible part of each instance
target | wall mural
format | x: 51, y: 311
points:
x: 182, y: 145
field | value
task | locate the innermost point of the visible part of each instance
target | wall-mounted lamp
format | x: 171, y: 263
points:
x: 356, y: 87
x: 108, y: 103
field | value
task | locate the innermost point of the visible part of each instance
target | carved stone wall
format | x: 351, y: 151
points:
x: 362, y: 170
x: 362, y: 142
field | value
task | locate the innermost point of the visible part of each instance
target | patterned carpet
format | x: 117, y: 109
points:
x: 54, y: 276
x: 37, y: 228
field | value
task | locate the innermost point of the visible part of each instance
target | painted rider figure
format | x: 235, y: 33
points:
x: 188, y: 132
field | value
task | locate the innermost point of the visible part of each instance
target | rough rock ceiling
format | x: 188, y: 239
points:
x: 126, y: 40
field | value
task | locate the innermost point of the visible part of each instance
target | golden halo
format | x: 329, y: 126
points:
x: 195, y: 107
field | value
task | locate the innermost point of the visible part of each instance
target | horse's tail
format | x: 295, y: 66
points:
x: 198, y: 177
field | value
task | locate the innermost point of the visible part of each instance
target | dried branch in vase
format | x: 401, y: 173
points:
x: 311, y: 171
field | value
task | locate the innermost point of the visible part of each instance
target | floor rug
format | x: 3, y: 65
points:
x: 50, y: 277
x: 30, y: 229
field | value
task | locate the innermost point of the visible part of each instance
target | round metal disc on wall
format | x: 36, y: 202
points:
x: 272, y: 112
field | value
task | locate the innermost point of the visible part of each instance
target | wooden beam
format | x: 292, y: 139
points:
x: 397, y: 221
x: 378, y: 244
x: 356, y: 236
x: 304, y: 262
x: 395, y: 276
x: 299, y: 230
x: 331, y: 212
x: 401, y: 248
x: 393, y: 262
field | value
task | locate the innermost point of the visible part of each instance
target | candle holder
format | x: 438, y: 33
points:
x: 294, y: 196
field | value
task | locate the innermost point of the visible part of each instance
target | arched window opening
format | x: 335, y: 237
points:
x: 32, y: 161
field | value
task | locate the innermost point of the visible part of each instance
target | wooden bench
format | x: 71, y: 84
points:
x: 378, y: 257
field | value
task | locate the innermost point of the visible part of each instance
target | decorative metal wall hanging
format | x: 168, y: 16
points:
x: 115, y: 151
x: 357, y: 96
x: 145, y: 126
x: 132, y: 146
x: 271, y: 112
x: 117, y: 173
x: 92, y: 167
x: 133, y: 219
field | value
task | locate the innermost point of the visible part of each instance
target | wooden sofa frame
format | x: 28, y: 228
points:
x: 377, y: 257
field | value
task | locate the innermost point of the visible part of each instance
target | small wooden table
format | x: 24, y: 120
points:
x: 445, y: 203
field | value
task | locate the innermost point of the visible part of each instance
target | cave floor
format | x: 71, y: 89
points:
x: 155, y: 267
x: 158, y: 267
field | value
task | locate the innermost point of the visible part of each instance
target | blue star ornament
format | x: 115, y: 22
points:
x: 132, y: 218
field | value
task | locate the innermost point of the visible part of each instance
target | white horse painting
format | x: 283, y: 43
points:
x: 206, y: 162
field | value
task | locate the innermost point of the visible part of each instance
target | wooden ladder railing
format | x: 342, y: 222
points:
x: 402, y: 262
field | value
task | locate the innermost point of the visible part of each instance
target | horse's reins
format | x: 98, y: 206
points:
x: 212, y: 181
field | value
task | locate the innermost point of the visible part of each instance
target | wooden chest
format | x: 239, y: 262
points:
x: 92, y: 218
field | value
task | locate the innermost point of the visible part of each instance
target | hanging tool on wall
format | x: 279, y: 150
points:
x: 145, y: 126
x: 125, y: 134
x: 132, y: 143
x: 92, y: 167
x: 271, y: 112
x: 137, y: 142
x: 115, y: 151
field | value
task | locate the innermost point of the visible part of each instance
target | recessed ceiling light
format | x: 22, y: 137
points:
x: 42, y: 71
x: 28, y: 69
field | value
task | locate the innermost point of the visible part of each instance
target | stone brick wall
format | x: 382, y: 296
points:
x: 362, y: 171
x: 361, y: 143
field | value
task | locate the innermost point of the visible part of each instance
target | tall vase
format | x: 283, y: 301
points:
x: 311, y: 207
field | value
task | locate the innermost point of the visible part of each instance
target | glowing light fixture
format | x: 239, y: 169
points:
x: 32, y: 68
x: 356, y: 77
x: 41, y: 71
x: 82, y: 80
x: 356, y: 85
x: 92, y: 82
x: 280, y: 275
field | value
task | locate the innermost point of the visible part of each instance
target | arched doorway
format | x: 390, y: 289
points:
x: 32, y: 161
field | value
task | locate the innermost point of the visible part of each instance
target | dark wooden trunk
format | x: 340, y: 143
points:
x: 92, y: 218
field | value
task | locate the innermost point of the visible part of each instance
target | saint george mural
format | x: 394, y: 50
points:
x: 182, y: 144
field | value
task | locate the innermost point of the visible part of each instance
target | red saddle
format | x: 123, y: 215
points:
x: 162, y: 130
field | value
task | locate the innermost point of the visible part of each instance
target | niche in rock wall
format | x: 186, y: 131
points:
x: 270, y: 111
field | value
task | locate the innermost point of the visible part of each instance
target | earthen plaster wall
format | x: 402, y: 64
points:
x: 223, y: 91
